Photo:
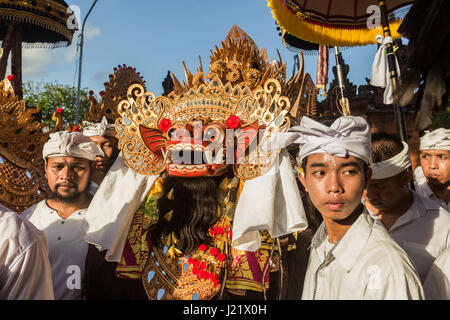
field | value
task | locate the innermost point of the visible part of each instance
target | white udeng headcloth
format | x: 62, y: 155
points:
x: 70, y: 144
x: 438, y: 139
x: 102, y: 128
x: 393, y: 166
x: 347, y: 136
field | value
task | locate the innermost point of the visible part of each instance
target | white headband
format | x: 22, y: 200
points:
x: 438, y: 139
x: 102, y: 128
x: 70, y: 144
x: 347, y: 136
x: 393, y: 166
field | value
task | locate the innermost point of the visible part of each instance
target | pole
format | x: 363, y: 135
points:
x: 398, y: 112
x: 340, y: 77
x: 77, y: 116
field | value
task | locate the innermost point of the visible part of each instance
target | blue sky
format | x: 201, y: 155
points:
x: 155, y: 36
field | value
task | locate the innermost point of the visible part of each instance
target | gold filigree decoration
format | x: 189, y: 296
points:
x: 170, y: 277
x: 115, y: 91
x: 22, y: 179
x: 21, y: 183
x: 210, y: 102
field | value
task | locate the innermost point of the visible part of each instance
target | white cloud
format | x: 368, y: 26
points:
x: 91, y: 32
x: 34, y: 61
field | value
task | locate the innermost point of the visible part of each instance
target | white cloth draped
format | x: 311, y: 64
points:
x: 111, y: 211
x: 70, y: 144
x: 438, y: 139
x: 270, y: 202
x: 393, y: 166
x: 380, y: 76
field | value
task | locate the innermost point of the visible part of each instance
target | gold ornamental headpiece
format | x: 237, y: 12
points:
x: 115, y: 91
x: 212, y: 122
x: 22, y: 178
x: 239, y: 61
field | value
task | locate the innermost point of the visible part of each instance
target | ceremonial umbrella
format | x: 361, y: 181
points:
x: 343, y: 23
x: 32, y: 24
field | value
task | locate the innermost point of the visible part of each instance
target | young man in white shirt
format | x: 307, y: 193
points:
x: 418, y: 225
x: 432, y: 177
x: 25, y: 272
x: 352, y: 256
x: 68, y: 167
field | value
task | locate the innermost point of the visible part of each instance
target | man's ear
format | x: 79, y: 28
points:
x: 45, y: 168
x: 368, y: 175
x: 302, y: 180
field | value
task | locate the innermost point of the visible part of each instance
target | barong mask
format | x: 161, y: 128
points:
x: 203, y: 128
x: 188, y: 135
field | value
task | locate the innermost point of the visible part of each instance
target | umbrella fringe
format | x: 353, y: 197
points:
x: 44, y: 45
x: 326, y: 35
x: 42, y: 22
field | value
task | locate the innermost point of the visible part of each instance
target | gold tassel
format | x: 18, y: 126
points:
x: 168, y: 215
x: 172, y: 252
x: 170, y: 195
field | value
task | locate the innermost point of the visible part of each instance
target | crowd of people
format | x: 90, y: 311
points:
x: 378, y: 238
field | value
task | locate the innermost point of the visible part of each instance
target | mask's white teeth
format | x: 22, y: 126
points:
x: 219, y: 157
x: 208, y: 155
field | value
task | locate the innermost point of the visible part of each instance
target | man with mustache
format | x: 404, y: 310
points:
x: 104, y: 135
x: 432, y: 178
x: 420, y: 226
x: 68, y: 167
x: 352, y: 256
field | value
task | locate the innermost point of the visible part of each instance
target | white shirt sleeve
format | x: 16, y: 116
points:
x: 437, y: 283
x: 29, y: 277
x: 25, y: 272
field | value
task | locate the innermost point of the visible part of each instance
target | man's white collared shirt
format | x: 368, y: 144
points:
x: 67, y: 248
x: 365, y: 264
x: 423, y: 231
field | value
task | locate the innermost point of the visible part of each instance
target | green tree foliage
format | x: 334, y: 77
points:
x: 51, y: 96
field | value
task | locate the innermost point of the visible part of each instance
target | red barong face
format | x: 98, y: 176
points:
x: 196, y: 150
x: 199, y: 149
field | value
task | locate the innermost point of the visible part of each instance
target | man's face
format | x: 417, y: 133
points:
x: 385, y: 194
x: 436, y: 166
x: 68, y: 177
x: 107, y: 144
x: 334, y: 184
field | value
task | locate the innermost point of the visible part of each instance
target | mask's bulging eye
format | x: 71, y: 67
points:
x: 171, y: 132
x: 210, y: 134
